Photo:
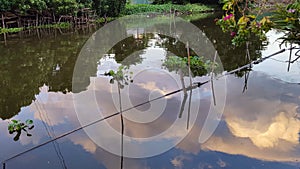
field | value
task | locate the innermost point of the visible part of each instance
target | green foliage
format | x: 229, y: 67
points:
x: 33, y: 4
x: 121, y: 76
x: 199, y: 66
x: 5, y: 5
x: 64, y: 6
x: 9, y: 5
x: 144, y: 8
x: 109, y: 7
x: 170, y: 1
x: 10, y: 30
x: 243, y: 28
x: 106, y: 8
x: 18, y: 126
x: 241, y: 24
x: 62, y: 25
x: 107, y: 19
x: 185, y: 1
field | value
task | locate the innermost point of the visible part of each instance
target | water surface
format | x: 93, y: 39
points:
x: 259, y: 127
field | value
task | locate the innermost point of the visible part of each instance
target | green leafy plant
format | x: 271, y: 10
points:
x: 18, y: 126
x: 122, y: 76
x: 10, y: 30
x: 199, y: 66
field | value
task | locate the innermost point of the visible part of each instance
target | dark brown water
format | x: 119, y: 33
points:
x: 259, y: 127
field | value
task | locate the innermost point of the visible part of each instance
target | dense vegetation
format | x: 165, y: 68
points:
x: 102, y: 7
x: 62, y: 7
x: 187, y: 8
x: 185, y: 1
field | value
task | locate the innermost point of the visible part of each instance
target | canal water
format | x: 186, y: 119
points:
x: 258, y: 126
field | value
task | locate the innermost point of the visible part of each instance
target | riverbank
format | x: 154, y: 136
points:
x: 130, y: 9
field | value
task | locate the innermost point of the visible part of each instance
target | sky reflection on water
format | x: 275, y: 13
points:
x: 259, y: 127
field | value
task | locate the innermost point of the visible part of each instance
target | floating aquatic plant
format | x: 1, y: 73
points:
x: 18, y: 126
x: 122, y: 76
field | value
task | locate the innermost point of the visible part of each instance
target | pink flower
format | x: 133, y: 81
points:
x: 232, y: 34
x: 258, y: 24
x: 228, y: 17
x: 291, y: 10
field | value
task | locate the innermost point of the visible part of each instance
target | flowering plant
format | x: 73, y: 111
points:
x: 242, y: 21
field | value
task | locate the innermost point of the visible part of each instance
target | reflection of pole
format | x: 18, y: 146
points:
x: 191, y: 83
x: 246, y: 80
x: 189, y: 61
x: 189, y: 109
x: 3, y: 26
x: 212, y: 78
x: 291, y: 49
x: 4, y: 34
x: 297, y: 54
x: 247, y: 51
x: 122, y: 126
x: 184, y: 93
x: 250, y: 66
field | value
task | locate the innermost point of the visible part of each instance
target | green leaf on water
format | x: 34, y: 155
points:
x: 29, y: 121
x: 18, y: 128
x: 15, y: 121
x: 10, y: 127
